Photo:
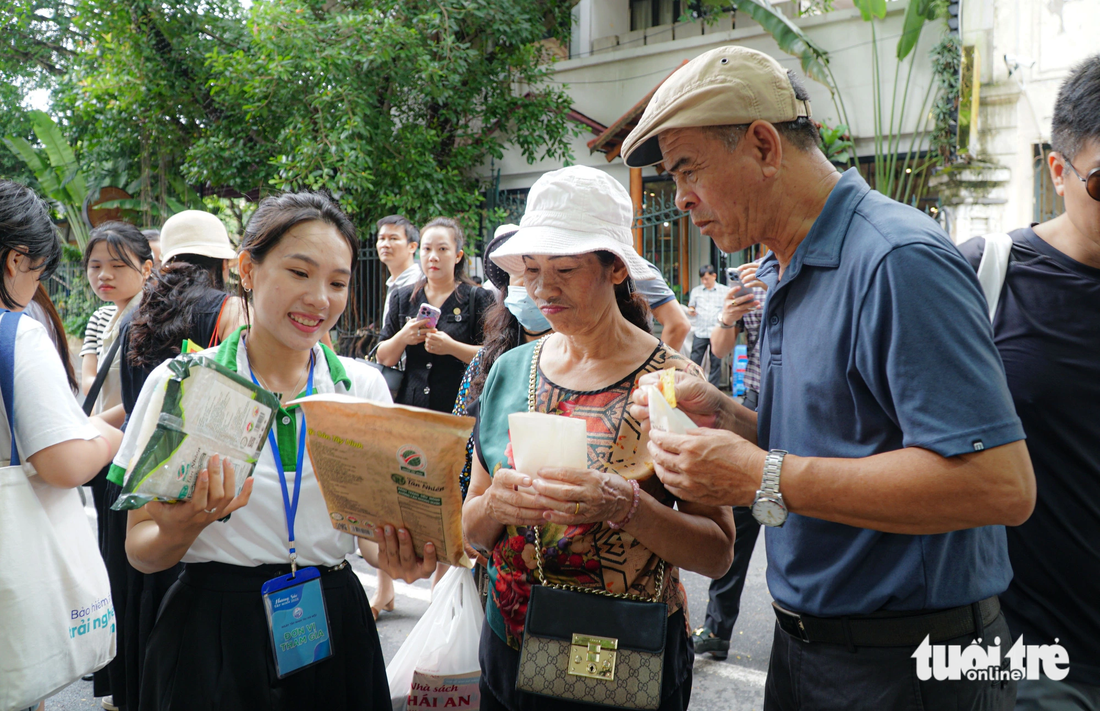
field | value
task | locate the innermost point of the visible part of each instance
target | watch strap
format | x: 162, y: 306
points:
x: 773, y: 467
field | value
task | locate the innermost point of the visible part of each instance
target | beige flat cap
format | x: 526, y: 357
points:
x: 725, y: 86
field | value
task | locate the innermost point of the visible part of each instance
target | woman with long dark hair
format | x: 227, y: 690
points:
x: 211, y: 647
x: 436, y: 357
x: 512, y: 321
x: 65, y: 447
x: 118, y: 261
x: 186, y: 300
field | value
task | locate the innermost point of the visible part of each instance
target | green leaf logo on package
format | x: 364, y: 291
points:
x: 203, y: 409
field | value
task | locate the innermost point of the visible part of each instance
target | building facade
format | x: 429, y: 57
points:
x: 622, y: 49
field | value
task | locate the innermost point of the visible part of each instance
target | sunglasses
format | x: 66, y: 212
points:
x: 1091, y: 181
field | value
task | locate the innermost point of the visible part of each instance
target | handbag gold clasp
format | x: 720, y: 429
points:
x: 593, y: 657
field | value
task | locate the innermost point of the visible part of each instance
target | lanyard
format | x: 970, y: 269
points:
x: 290, y: 507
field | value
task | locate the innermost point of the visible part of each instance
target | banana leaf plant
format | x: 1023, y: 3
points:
x: 56, y: 170
x: 813, y: 59
x: 899, y: 175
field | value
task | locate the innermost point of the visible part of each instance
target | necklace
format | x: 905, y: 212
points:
x: 293, y: 390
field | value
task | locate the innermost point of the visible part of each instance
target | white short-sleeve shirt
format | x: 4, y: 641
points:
x: 46, y: 412
x: 257, y: 533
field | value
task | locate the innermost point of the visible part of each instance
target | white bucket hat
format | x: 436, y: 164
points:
x: 195, y: 232
x: 574, y: 210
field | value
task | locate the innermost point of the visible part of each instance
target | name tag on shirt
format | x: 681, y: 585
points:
x: 297, y: 620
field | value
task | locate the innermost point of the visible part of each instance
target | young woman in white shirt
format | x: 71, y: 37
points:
x: 211, y: 647
x: 117, y: 260
x: 64, y: 447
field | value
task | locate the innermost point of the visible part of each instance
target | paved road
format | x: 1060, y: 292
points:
x: 736, y: 684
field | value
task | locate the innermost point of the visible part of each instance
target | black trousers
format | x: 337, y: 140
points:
x: 725, y: 592
x: 699, y: 348
x: 827, y: 677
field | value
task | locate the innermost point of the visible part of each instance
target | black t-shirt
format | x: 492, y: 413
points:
x: 1047, y: 329
x: 432, y: 381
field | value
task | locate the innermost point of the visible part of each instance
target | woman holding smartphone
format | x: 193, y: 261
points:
x: 436, y: 354
x: 212, y: 646
x: 437, y: 324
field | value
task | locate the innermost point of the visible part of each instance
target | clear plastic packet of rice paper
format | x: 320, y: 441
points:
x: 201, y: 410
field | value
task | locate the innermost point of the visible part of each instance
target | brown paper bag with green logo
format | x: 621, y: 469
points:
x: 390, y: 464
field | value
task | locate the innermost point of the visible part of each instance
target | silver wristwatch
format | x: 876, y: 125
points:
x: 768, y: 507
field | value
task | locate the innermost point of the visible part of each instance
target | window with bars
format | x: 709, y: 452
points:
x: 651, y: 13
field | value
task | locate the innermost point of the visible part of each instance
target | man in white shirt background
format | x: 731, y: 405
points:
x: 704, y: 306
x: 397, y: 242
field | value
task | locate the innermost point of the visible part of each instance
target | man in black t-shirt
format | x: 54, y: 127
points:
x: 1047, y: 328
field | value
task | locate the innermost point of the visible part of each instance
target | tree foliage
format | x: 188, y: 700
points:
x: 392, y: 106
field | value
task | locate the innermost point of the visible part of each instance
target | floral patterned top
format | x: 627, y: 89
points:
x: 590, y: 555
x: 462, y: 409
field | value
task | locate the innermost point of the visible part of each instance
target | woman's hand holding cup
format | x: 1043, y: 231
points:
x: 576, y: 496
x: 511, y: 500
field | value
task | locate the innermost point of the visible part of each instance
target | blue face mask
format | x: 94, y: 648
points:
x: 523, y: 308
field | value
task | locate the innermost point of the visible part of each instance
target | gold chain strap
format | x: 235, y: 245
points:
x: 661, y: 565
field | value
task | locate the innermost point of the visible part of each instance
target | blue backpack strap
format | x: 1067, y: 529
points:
x: 9, y: 324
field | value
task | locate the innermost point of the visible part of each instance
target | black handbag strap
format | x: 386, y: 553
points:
x: 101, y: 376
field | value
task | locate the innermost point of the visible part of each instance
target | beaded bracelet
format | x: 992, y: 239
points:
x: 633, y: 507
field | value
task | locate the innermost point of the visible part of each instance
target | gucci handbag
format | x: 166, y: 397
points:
x: 593, y: 646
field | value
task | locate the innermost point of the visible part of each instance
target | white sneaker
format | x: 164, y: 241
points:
x: 108, y: 702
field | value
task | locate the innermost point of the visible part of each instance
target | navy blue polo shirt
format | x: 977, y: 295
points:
x: 876, y: 339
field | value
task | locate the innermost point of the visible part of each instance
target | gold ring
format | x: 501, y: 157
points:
x: 578, y: 509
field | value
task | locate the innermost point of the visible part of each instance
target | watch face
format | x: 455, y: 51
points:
x: 769, y: 512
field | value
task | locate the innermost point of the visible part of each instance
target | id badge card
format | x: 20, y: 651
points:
x: 296, y: 617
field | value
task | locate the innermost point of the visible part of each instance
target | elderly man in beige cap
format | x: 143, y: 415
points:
x: 886, y: 457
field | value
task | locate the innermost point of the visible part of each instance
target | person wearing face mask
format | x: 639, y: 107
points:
x: 512, y: 321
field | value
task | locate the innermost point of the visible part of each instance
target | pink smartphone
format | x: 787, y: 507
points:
x: 429, y: 312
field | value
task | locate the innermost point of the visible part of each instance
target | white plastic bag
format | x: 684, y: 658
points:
x: 438, y: 662
x: 55, y: 599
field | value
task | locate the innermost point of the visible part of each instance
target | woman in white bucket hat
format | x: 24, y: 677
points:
x: 607, y: 527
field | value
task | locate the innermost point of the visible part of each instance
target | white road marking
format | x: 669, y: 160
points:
x: 743, y: 675
x: 399, y: 587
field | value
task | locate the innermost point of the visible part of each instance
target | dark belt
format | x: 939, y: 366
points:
x: 891, y: 629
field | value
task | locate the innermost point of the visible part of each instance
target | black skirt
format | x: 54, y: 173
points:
x: 500, y: 668
x: 211, y: 648
x: 136, y: 598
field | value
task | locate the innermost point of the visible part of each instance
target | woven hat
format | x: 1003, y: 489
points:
x: 725, y: 86
x: 574, y: 210
x: 195, y: 232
